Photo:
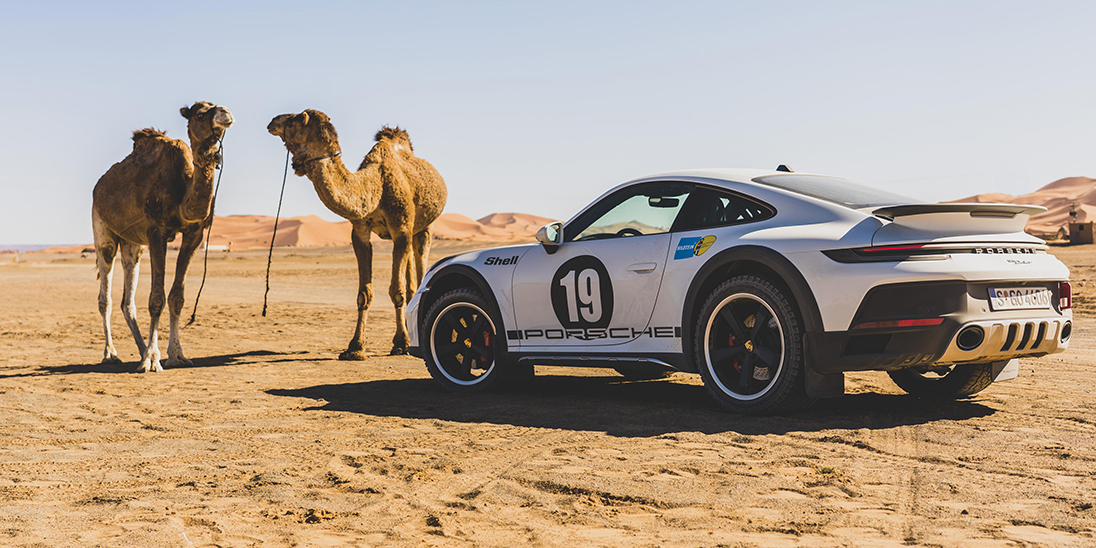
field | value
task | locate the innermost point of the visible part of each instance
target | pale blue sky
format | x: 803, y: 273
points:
x: 538, y: 107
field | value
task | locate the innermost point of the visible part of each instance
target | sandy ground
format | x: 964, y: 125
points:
x: 267, y: 440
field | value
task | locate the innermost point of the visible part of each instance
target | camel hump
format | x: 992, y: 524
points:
x: 147, y: 133
x: 395, y: 134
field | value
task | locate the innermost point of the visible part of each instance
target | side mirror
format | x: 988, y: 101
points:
x: 551, y: 235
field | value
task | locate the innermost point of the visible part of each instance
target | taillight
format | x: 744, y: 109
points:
x: 1065, y: 296
x: 891, y: 324
x: 891, y: 248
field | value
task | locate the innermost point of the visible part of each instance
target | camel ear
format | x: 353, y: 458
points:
x: 304, y: 118
x: 185, y: 111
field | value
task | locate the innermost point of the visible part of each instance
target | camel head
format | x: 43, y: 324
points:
x: 308, y: 135
x: 206, y: 121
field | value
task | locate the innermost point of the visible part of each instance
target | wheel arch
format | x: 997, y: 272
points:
x: 765, y: 262
x: 459, y: 276
x: 751, y: 260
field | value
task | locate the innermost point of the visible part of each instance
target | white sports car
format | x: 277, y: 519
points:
x: 769, y: 284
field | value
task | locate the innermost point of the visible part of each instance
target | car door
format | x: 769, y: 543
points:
x: 599, y: 286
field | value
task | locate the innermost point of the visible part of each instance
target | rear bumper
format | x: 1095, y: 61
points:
x: 1007, y: 339
x: 963, y: 306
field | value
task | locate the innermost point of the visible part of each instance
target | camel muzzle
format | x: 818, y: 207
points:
x: 277, y: 125
x: 223, y: 120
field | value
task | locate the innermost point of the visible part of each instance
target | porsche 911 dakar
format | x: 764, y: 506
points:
x: 769, y: 284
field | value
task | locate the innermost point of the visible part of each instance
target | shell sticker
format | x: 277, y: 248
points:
x: 692, y: 247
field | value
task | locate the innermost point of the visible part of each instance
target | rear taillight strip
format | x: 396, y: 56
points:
x: 891, y: 253
x: 1065, y: 296
x: 896, y: 324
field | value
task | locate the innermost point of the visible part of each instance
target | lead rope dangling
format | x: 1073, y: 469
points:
x: 277, y: 216
x: 209, y: 229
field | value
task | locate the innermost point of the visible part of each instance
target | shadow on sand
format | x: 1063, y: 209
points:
x: 207, y: 361
x: 621, y: 408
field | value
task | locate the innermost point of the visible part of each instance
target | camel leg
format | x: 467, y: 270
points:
x: 363, y: 251
x: 157, y: 251
x: 105, y: 248
x: 176, y: 298
x: 131, y: 268
x: 401, y: 267
x: 421, y: 244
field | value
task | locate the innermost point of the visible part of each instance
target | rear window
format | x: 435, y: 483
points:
x: 839, y: 191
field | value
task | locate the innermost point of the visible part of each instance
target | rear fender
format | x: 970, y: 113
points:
x: 719, y: 266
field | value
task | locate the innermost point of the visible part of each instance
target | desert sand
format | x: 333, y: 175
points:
x: 268, y: 440
x: 1059, y: 197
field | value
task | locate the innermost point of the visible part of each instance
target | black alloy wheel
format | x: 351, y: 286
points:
x: 749, y: 350
x: 462, y: 346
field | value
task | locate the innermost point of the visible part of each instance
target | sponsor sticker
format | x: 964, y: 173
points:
x: 692, y: 247
x: 500, y: 261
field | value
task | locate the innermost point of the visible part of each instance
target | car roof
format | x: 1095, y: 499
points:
x: 744, y: 175
x: 736, y: 175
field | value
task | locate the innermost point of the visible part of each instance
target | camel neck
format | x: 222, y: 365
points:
x: 346, y: 193
x: 199, y: 195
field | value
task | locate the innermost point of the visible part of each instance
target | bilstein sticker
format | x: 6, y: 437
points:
x: 692, y: 247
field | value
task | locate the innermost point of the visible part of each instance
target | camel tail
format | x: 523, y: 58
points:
x: 394, y: 133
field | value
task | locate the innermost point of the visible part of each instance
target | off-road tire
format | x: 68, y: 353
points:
x: 962, y: 381
x: 785, y: 391
x: 466, y: 305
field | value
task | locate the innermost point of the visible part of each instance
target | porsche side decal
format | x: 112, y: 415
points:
x: 591, y: 333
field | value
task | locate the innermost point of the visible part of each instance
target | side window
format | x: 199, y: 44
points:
x: 709, y: 208
x: 640, y: 210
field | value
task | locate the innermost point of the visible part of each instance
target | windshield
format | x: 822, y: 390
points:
x: 839, y: 191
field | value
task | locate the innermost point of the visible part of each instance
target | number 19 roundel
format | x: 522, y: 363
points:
x: 582, y: 293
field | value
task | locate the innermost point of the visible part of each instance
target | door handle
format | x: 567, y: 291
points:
x: 642, y: 267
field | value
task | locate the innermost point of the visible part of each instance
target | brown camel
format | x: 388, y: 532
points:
x: 161, y: 189
x: 393, y: 194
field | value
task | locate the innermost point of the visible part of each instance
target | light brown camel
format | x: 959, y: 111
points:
x: 393, y: 194
x: 161, y: 189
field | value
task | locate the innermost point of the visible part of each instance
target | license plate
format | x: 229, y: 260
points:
x: 1019, y: 298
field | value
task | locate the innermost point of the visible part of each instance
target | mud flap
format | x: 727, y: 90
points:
x: 821, y: 385
x: 1005, y: 370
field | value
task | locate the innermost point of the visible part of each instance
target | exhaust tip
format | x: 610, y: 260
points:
x: 970, y: 338
x: 1067, y: 330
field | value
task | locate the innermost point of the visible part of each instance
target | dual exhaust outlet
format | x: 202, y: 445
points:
x: 972, y: 336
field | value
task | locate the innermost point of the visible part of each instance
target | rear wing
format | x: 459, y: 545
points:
x: 954, y: 222
x: 975, y: 210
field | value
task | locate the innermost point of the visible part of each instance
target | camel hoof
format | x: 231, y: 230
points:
x: 111, y: 360
x: 398, y: 351
x: 178, y: 362
x: 146, y: 367
x: 352, y: 355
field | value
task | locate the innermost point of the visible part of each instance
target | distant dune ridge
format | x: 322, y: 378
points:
x: 1057, y: 197
x: 253, y: 231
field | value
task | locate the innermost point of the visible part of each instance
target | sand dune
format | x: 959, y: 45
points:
x: 1057, y: 197
x: 241, y: 232
x: 522, y: 223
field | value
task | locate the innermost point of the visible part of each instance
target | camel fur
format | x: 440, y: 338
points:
x: 393, y: 194
x: 161, y: 189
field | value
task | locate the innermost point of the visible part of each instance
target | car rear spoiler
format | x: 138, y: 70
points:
x: 976, y: 210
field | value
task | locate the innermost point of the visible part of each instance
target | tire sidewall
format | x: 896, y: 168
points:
x: 444, y: 303
x: 962, y: 381
x: 787, y: 391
